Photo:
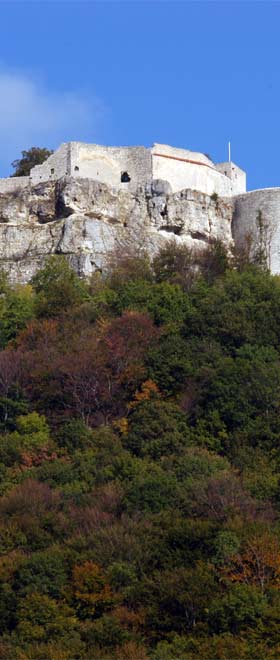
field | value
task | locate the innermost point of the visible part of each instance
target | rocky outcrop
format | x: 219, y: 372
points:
x: 86, y: 220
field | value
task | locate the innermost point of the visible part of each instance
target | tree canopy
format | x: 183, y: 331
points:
x: 140, y: 461
x: 30, y: 158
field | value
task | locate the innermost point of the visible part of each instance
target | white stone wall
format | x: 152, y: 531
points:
x: 106, y: 164
x: 180, y: 168
x: 188, y: 169
x: 244, y: 224
x: 236, y: 175
x: 13, y: 184
x: 56, y: 166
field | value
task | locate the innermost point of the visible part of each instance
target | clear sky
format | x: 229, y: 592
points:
x: 189, y: 74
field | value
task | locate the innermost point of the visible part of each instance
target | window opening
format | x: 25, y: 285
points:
x: 125, y: 178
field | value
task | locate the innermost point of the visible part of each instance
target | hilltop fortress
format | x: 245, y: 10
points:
x: 85, y: 199
x: 135, y: 168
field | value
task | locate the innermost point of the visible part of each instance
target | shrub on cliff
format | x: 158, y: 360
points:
x: 57, y: 287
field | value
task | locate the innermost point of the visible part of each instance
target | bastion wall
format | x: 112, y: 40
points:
x: 125, y: 168
x: 169, y: 187
x: 245, y: 228
x: 134, y: 168
x: 13, y: 184
x: 189, y: 169
x: 55, y: 167
x: 236, y: 176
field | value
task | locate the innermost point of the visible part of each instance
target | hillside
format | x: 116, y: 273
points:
x: 139, y: 459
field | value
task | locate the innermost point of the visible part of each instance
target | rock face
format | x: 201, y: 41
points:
x: 85, y: 220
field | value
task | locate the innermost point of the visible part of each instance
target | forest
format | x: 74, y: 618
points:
x: 140, y: 460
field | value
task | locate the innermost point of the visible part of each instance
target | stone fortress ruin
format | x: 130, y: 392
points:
x: 85, y: 199
x: 136, y: 168
x: 133, y: 168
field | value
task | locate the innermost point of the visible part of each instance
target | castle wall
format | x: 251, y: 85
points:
x: 235, y: 174
x: 13, y: 184
x: 245, y: 226
x: 56, y: 166
x: 187, y: 169
x: 133, y: 169
x: 108, y: 164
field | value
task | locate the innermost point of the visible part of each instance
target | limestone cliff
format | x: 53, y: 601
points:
x: 85, y: 220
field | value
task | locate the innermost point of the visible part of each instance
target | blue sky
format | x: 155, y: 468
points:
x: 189, y: 74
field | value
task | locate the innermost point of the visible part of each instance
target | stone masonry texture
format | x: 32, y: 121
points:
x: 134, y: 168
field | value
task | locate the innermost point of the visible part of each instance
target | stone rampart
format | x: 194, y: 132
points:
x: 134, y: 169
x: 247, y: 218
x: 13, y: 183
x: 235, y: 174
x: 55, y: 167
x: 124, y: 168
x: 188, y: 169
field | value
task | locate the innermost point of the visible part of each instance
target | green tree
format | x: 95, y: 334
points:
x: 150, y: 489
x: 74, y: 435
x: 57, y: 288
x: 44, y: 572
x: 28, y: 440
x: 239, y: 609
x: 16, y: 309
x: 238, y: 308
x: 30, y: 158
x: 156, y: 428
x: 41, y: 618
x: 165, y: 302
x: 170, y: 363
